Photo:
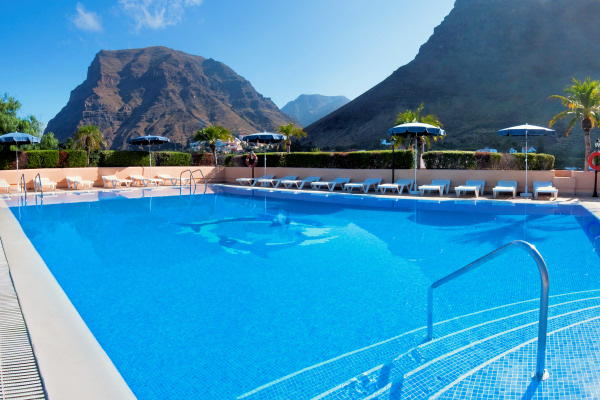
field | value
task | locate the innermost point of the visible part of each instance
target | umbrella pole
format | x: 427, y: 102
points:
x: 17, y: 160
x: 415, y: 149
x: 150, y: 157
x: 526, y: 165
x: 265, y: 167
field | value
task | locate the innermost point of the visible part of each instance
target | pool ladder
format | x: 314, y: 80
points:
x: 540, y: 373
x: 193, y: 180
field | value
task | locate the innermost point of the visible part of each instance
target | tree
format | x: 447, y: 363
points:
x: 582, y: 103
x: 49, y: 142
x: 10, y: 122
x: 291, y: 131
x: 210, y: 135
x: 89, y: 137
x: 415, y: 116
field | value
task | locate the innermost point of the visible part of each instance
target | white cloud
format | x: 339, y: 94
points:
x: 86, y: 20
x: 156, y: 14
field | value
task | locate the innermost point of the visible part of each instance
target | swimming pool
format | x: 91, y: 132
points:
x: 232, y: 290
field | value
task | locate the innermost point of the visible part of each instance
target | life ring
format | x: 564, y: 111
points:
x: 591, y: 161
x: 251, y: 160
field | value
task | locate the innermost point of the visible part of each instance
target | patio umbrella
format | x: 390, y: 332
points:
x: 417, y: 129
x: 18, y: 138
x: 265, y: 138
x: 526, y: 130
x: 149, y: 141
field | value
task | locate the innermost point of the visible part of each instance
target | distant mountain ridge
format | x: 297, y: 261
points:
x: 160, y: 91
x: 489, y: 65
x: 308, y: 108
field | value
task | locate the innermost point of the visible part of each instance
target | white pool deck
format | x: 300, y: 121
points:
x: 69, y: 360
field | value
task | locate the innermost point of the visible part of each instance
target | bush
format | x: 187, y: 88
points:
x: 72, y: 158
x: 172, y: 159
x: 122, y: 158
x: 41, y: 159
x: 203, y: 159
x: 354, y: 160
x: 473, y: 160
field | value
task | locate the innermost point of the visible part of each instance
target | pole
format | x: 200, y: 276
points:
x: 595, y: 183
x: 393, y: 159
x: 526, y: 165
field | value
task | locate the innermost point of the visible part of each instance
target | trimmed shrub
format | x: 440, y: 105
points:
x: 41, y: 159
x: 72, y: 158
x: 123, y: 158
x: 487, y: 160
x: 449, y: 159
x: 535, y: 162
x: 172, y: 159
x: 203, y: 159
x: 496, y: 161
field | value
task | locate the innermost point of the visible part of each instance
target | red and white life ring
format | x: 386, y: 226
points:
x: 591, y: 161
x: 251, y: 160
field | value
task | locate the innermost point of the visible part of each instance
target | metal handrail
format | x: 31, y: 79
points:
x: 191, y: 180
x: 23, y: 186
x: 37, y: 182
x: 540, y: 372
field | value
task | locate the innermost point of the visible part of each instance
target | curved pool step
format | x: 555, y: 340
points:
x: 316, y: 379
x: 418, y: 372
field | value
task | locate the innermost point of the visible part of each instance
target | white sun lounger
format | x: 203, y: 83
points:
x: 330, y: 185
x: 505, y: 187
x: 544, y: 187
x: 4, y: 185
x: 143, y: 181
x: 441, y: 185
x: 299, y: 183
x: 470, y: 186
x: 398, y: 186
x: 252, y: 181
x: 363, y: 185
x: 174, y: 181
x: 275, y: 182
x: 114, y: 181
x: 74, y: 181
x: 43, y: 182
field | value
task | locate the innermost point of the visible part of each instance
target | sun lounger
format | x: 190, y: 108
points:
x: 74, y: 181
x: 505, y: 187
x: 330, y: 185
x: 275, y: 182
x: 363, y: 185
x: 398, y: 186
x: 114, y: 181
x: 441, y: 185
x: 143, y: 181
x: 39, y: 184
x: 4, y: 185
x: 470, y: 186
x: 544, y: 187
x: 299, y: 183
x: 252, y: 181
x: 174, y: 181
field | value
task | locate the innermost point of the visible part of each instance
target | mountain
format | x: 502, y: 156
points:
x: 160, y: 91
x: 308, y: 108
x: 489, y: 65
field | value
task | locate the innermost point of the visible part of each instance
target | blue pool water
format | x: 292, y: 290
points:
x: 212, y: 296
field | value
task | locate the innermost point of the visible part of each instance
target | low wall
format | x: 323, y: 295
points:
x: 59, y: 175
x: 567, y: 182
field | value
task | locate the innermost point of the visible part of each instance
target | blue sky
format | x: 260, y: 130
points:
x: 284, y: 48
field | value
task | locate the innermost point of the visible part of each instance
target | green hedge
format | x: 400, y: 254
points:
x: 497, y: 161
x: 72, y: 158
x: 125, y: 158
x: 172, y: 159
x: 404, y: 159
x: 41, y: 159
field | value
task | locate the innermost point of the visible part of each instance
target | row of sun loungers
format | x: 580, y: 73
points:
x: 441, y: 186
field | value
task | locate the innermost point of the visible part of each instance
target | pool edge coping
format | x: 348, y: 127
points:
x: 71, y: 362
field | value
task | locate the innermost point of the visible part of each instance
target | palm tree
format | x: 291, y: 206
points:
x: 582, y: 102
x: 211, y: 134
x: 89, y: 137
x: 415, y: 116
x: 291, y: 131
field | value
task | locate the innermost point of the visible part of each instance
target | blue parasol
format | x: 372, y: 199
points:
x: 417, y: 129
x: 149, y: 141
x: 265, y: 138
x: 526, y: 130
x: 18, y: 138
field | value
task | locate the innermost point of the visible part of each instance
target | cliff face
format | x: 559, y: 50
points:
x: 489, y: 65
x: 308, y: 108
x: 159, y: 91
